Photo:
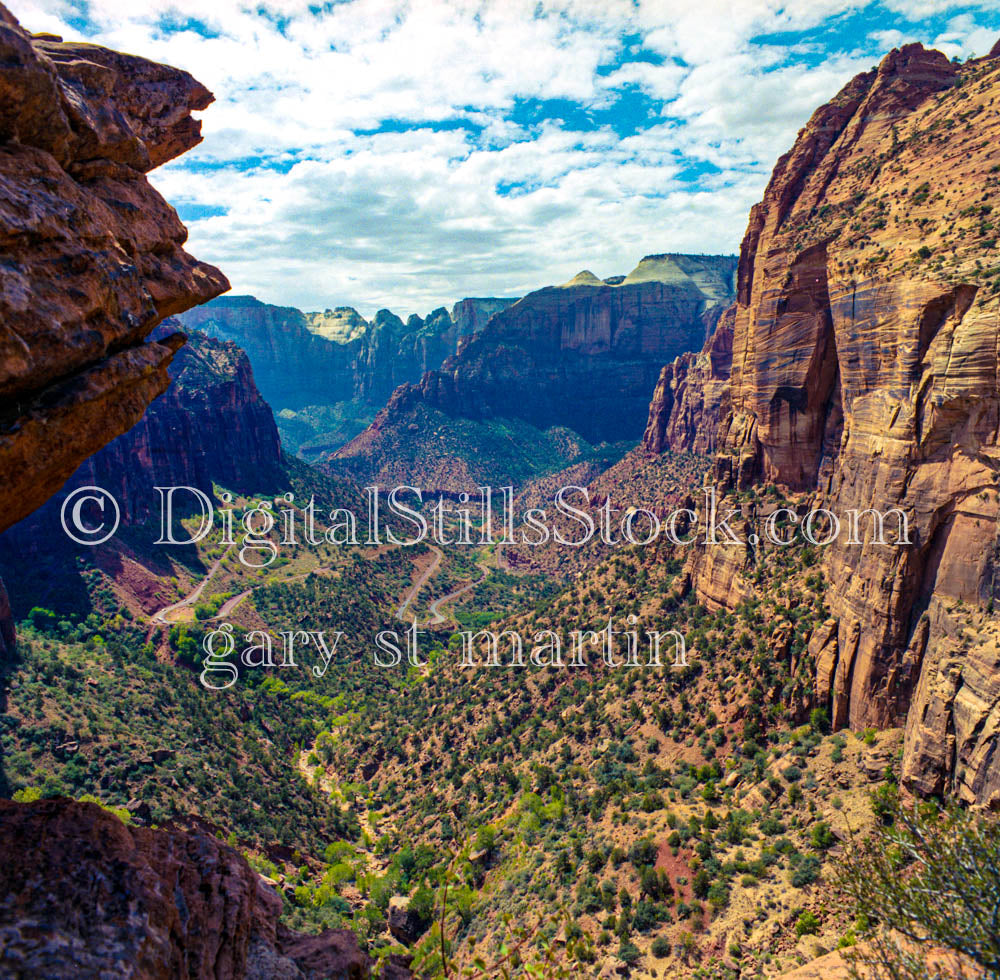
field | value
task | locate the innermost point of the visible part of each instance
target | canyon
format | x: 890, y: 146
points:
x: 326, y: 374
x: 848, y: 358
x: 583, y: 357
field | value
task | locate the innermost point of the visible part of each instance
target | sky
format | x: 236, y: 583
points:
x: 406, y: 153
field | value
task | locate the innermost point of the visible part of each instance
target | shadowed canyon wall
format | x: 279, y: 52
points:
x: 585, y: 355
x: 300, y: 357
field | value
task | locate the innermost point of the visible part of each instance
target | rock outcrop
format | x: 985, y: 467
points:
x: 584, y: 356
x: 698, y: 385
x: 210, y: 427
x: 864, y: 370
x: 82, y: 894
x: 92, y: 254
x: 303, y: 360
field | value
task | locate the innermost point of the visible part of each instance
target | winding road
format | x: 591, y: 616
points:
x: 436, y: 616
x: 160, y: 617
x: 416, y: 587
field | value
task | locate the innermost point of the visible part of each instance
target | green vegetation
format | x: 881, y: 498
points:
x: 930, y: 877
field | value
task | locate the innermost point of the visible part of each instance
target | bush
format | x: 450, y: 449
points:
x: 807, y: 872
x: 793, y: 774
x: 822, y: 837
x: 643, y: 852
x: 808, y: 925
x: 486, y: 838
x: 948, y: 898
x: 819, y: 720
x: 661, y: 947
x: 701, y: 883
x: 422, y: 903
x: 628, y: 952
x: 718, y: 895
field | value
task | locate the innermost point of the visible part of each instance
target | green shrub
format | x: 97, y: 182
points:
x: 808, y: 925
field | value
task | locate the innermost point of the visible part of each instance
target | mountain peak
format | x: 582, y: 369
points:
x: 585, y: 278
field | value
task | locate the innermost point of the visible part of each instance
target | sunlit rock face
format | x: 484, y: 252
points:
x: 92, y: 254
x: 864, y: 343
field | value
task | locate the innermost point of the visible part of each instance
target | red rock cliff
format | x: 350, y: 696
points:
x: 584, y: 355
x: 211, y: 427
x: 81, y: 894
x: 92, y: 254
x: 864, y: 368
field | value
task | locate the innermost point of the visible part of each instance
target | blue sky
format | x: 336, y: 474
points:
x: 380, y: 153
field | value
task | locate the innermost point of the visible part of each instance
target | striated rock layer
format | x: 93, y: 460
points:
x: 584, y: 355
x: 305, y: 359
x: 864, y: 370
x: 92, y: 255
x: 210, y: 427
x: 698, y: 385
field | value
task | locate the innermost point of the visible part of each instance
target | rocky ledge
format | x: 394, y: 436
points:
x: 92, y: 256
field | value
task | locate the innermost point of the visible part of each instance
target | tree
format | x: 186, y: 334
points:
x: 932, y: 877
x: 486, y: 838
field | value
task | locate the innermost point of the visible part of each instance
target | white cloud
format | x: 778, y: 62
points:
x: 414, y: 219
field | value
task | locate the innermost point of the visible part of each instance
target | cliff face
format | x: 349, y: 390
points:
x: 864, y: 369
x: 210, y: 427
x: 172, y: 905
x: 584, y: 355
x: 292, y: 363
x: 697, y: 385
x: 92, y: 255
x: 302, y: 359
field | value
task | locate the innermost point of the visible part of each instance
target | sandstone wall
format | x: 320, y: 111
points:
x: 93, y: 257
x: 864, y: 370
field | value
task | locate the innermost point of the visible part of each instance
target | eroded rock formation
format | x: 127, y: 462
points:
x: 303, y: 359
x: 93, y: 256
x: 584, y: 355
x: 864, y: 369
x: 698, y: 385
x: 82, y: 894
x: 210, y: 427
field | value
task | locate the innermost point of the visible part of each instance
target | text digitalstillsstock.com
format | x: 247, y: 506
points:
x: 402, y: 517
x: 91, y: 516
